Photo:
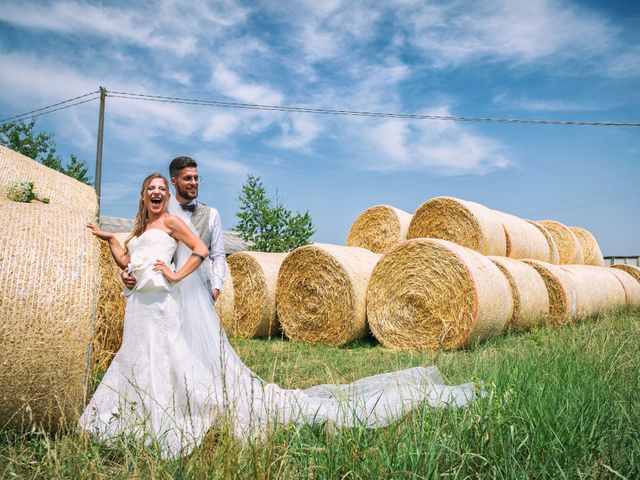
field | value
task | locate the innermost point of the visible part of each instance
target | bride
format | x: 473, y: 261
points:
x: 176, y: 375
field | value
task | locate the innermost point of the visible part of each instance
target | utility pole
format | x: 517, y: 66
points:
x: 103, y: 94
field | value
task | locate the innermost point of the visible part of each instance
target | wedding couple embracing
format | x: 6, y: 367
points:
x: 176, y: 374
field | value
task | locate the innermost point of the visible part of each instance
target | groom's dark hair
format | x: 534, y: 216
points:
x: 179, y: 163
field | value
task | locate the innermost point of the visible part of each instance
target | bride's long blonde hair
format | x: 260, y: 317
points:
x: 142, y: 217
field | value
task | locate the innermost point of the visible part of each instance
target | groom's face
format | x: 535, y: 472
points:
x: 186, y: 183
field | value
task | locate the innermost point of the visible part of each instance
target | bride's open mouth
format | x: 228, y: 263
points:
x: 156, y: 201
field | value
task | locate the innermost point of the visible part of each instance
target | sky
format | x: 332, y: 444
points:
x: 532, y: 59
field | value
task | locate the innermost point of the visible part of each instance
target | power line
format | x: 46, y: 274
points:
x: 311, y: 110
x: 323, y: 111
x: 633, y: 190
x: 22, y: 116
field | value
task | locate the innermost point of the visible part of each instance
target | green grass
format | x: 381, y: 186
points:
x: 562, y: 403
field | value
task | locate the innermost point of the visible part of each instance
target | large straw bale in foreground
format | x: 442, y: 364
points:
x: 430, y: 294
x: 523, y: 239
x: 109, y: 323
x: 466, y: 223
x: 321, y: 293
x: 631, y: 286
x: 48, y: 293
x: 225, y: 303
x: 597, y: 289
x: 630, y: 269
x: 554, y: 255
x: 561, y: 290
x: 254, y: 276
x: 379, y: 228
x: 529, y: 293
x: 568, y: 245
x: 589, y: 245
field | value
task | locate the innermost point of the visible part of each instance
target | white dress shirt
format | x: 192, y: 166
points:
x: 215, y: 269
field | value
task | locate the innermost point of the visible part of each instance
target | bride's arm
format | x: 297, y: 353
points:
x: 182, y: 233
x: 116, y: 249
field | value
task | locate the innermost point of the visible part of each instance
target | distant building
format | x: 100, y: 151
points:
x: 123, y: 226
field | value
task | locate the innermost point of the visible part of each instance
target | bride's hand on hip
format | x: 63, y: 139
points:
x: 98, y: 232
x: 162, y: 267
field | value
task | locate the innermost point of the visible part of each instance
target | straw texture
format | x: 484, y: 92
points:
x: 631, y: 286
x: 630, y: 269
x: 529, y: 293
x: 597, y: 289
x: 561, y: 291
x: 379, y: 228
x: 107, y: 332
x: 590, y: 248
x: 554, y: 255
x: 430, y: 294
x: 321, y: 293
x: 48, y: 294
x: 254, y: 276
x: 460, y: 221
x: 523, y: 240
x: 225, y: 303
x: 569, y: 248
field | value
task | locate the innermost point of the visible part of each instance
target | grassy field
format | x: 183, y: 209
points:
x: 562, y: 403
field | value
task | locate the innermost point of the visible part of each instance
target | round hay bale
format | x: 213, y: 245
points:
x: 597, y: 289
x: 48, y: 294
x: 523, y: 240
x: 554, y: 255
x: 322, y: 291
x: 529, y: 293
x: 107, y: 332
x: 630, y: 269
x: 379, y: 228
x: 224, y: 305
x: 466, y: 223
x: 631, y: 286
x: 590, y: 248
x: 430, y: 294
x: 254, y: 276
x: 569, y: 248
x: 561, y: 291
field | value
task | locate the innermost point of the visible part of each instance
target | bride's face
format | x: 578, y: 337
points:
x: 156, y: 196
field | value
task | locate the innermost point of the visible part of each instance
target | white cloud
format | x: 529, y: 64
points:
x: 219, y: 166
x: 524, y: 102
x: 297, y: 132
x: 27, y: 80
x: 182, y: 78
x: 436, y: 146
x: 221, y: 125
x: 231, y: 85
x: 152, y: 26
x: 521, y: 31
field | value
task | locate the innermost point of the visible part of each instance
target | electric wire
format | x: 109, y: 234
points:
x: 323, y: 111
x: 16, y: 118
x: 586, y: 204
x: 632, y: 190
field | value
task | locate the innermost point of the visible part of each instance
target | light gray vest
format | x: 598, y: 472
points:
x: 200, y: 220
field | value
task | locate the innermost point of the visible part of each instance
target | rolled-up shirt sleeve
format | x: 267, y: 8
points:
x: 217, y: 252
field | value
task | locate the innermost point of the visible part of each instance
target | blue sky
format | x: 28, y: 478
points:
x: 497, y: 58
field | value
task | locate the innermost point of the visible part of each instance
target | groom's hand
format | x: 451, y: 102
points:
x: 128, y: 279
x: 216, y: 294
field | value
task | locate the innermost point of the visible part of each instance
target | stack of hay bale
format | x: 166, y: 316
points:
x: 50, y: 296
x: 452, y: 274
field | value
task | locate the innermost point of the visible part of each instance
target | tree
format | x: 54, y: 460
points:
x: 40, y: 146
x: 267, y: 224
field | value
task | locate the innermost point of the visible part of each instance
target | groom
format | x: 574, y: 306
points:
x: 183, y: 172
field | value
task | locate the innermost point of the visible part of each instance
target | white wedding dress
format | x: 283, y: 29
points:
x: 176, y: 375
